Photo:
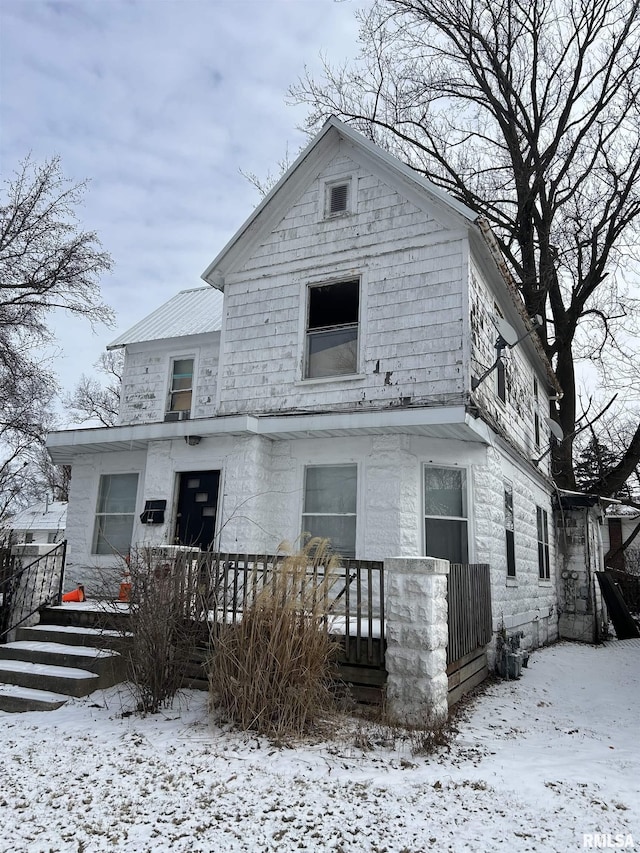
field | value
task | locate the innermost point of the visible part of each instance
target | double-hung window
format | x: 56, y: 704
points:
x: 332, y: 329
x: 181, y: 385
x: 330, y: 500
x: 544, y: 571
x: 445, y: 510
x: 115, y: 513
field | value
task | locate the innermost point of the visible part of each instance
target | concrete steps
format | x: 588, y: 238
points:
x: 48, y: 663
x: 67, y: 680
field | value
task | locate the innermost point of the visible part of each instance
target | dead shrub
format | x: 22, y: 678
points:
x: 164, y: 623
x: 270, y: 671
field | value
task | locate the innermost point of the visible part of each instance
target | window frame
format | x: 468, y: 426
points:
x: 536, y: 414
x: 544, y: 551
x: 509, y: 529
x: 98, y: 531
x: 170, y: 387
x: 501, y: 386
x: 465, y: 499
x: 309, y: 333
x: 305, y: 514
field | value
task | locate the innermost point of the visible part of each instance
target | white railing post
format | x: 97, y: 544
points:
x: 416, y: 616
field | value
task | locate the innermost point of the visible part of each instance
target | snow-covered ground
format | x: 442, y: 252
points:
x: 536, y: 764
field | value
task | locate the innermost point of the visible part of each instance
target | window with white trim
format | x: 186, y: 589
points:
x: 445, y: 511
x: 181, y: 385
x: 330, y: 501
x: 544, y: 570
x: 115, y: 514
x: 333, y: 314
x: 536, y: 415
x: 509, y: 529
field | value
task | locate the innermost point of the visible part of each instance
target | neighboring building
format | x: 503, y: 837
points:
x: 41, y: 524
x: 622, y: 523
x: 328, y: 381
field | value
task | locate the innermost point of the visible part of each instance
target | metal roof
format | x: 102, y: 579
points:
x: 190, y: 312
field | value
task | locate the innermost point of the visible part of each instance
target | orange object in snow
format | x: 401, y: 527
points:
x: 125, y: 589
x: 76, y: 595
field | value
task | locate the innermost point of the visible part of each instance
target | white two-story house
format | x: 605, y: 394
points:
x: 337, y: 375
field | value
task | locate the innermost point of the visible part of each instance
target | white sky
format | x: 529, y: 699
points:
x: 160, y: 103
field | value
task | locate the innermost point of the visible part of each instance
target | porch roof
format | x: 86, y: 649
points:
x: 451, y: 422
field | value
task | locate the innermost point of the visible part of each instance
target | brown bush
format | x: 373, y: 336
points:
x: 270, y: 671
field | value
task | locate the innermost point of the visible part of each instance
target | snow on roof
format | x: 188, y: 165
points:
x: 623, y: 511
x: 190, y: 312
x: 42, y: 516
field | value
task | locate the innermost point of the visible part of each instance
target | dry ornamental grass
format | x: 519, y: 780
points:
x: 270, y: 671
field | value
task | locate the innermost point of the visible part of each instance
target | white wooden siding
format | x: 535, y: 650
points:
x: 412, y: 275
x: 146, y: 376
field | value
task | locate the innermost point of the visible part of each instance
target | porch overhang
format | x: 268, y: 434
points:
x: 447, y: 422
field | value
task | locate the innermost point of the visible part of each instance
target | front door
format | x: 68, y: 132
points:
x: 197, y: 503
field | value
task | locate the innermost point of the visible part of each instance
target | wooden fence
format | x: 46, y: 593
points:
x: 470, y: 627
x: 227, y: 583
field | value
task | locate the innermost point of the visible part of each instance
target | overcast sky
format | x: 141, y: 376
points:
x: 160, y: 103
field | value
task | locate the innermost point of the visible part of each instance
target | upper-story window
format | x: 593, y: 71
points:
x: 501, y: 371
x: 181, y: 385
x: 536, y: 415
x: 332, y: 329
x: 337, y: 198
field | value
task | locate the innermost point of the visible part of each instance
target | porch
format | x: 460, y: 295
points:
x: 216, y: 588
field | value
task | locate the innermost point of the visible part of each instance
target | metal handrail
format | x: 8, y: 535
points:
x: 22, y: 596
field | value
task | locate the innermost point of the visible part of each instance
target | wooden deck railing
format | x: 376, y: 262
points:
x: 470, y: 621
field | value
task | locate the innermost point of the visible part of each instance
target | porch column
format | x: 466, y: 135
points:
x: 417, y: 634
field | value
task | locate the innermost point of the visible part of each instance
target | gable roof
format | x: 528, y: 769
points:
x: 305, y: 169
x: 274, y: 204
x: 190, y: 312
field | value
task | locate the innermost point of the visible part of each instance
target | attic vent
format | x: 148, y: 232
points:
x: 338, y: 198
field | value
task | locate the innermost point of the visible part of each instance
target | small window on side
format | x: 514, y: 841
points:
x: 181, y: 387
x: 544, y: 569
x: 509, y: 527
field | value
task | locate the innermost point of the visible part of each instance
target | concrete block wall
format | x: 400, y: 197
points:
x: 262, y: 496
x: 417, y: 635
x: 580, y: 553
x: 525, y: 602
x: 97, y: 572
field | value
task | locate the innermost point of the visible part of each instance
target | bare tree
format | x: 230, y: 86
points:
x: 47, y: 262
x: 529, y: 114
x: 92, y: 399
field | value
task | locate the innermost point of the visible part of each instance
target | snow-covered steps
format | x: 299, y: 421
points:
x: 73, y: 635
x: 17, y: 699
x: 106, y: 664
x: 67, y: 680
x: 49, y: 662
